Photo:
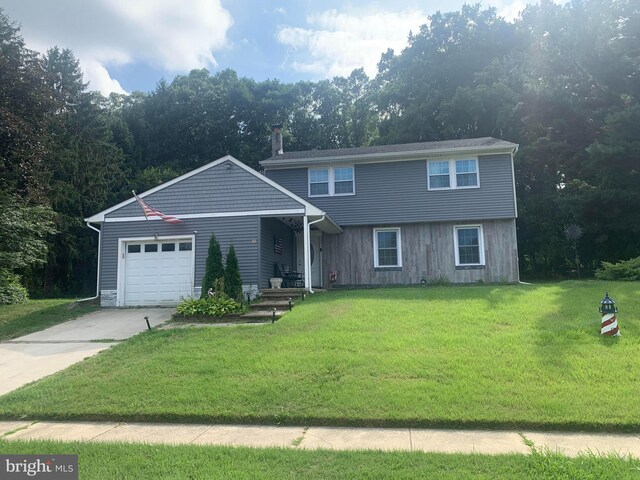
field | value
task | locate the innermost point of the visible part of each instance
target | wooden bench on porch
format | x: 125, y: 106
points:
x: 290, y: 278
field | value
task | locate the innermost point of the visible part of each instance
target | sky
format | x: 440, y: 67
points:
x: 129, y: 45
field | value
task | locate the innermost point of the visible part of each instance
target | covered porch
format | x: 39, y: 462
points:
x: 291, y: 248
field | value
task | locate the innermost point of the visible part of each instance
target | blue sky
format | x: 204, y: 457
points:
x: 127, y: 45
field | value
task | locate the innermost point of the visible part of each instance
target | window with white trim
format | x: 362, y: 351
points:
x: 466, y: 173
x: 469, y: 245
x: 318, y: 182
x: 449, y: 174
x: 387, y: 248
x: 439, y: 175
x: 331, y: 181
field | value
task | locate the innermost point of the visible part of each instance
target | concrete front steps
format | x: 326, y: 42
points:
x: 273, y: 303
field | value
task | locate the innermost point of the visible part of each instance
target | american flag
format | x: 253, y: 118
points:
x: 149, y: 211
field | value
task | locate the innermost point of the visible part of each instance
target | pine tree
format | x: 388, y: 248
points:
x: 232, y: 280
x: 213, y: 267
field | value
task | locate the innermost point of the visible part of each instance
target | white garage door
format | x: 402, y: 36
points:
x: 158, y: 272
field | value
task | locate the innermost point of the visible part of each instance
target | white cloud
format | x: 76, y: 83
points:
x: 99, y: 77
x: 509, y: 9
x: 170, y: 34
x: 335, y: 43
x: 176, y: 34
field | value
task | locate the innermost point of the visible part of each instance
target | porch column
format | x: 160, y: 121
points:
x: 306, y: 241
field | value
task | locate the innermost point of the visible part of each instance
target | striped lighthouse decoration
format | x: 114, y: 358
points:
x: 609, y: 323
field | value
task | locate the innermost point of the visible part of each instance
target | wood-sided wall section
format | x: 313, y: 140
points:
x: 428, y: 252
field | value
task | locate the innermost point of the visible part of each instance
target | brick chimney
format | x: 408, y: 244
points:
x: 276, y: 140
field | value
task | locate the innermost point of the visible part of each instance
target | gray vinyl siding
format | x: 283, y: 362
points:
x: 396, y: 192
x: 242, y: 232
x: 268, y: 257
x: 218, y: 189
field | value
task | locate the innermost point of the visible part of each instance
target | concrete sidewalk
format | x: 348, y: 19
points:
x: 333, y: 438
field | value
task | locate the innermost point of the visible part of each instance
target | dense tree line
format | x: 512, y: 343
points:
x: 561, y: 81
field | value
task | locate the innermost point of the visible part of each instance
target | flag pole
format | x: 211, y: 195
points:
x: 144, y: 210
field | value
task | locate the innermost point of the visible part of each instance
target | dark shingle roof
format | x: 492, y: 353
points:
x: 482, y: 143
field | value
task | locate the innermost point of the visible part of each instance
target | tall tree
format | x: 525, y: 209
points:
x: 445, y: 55
x: 83, y: 173
x: 606, y: 199
x: 23, y: 231
x: 579, y: 70
x: 25, y: 105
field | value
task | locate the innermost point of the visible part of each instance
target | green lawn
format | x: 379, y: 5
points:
x: 135, y: 461
x: 476, y: 356
x: 34, y: 315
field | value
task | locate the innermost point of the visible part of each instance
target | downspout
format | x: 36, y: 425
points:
x: 98, y: 273
x: 515, y: 204
x: 308, y: 255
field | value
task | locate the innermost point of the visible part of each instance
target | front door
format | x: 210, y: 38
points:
x: 316, y: 257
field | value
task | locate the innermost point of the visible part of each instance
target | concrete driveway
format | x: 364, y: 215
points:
x: 29, y: 358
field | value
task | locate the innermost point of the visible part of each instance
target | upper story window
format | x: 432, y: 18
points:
x: 331, y: 181
x: 343, y: 180
x: 466, y: 173
x: 439, y: 175
x: 447, y: 174
x: 318, y: 182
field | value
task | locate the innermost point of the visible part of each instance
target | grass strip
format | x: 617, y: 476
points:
x: 140, y: 461
x: 34, y: 315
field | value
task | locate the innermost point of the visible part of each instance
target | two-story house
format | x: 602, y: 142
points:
x: 384, y: 215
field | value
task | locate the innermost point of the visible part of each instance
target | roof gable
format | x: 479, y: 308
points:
x: 223, y: 186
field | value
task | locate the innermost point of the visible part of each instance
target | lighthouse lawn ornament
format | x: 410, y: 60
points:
x: 609, y: 324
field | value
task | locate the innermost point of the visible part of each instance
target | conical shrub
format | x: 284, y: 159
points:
x: 232, y: 280
x: 213, y: 267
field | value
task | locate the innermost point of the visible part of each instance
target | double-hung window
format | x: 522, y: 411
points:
x: 448, y: 174
x: 387, y: 248
x: 469, y: 245
x: 318, y: 182
x: 331, y: 181
x: 343, y: 180
x: 439, y: 176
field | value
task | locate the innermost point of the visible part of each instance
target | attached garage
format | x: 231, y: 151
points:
x: 156, y: 272
x: 147, y: 260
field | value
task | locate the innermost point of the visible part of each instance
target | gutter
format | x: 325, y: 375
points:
x: 388, y: 156
x: 308, y: 232
x: 98, y: 273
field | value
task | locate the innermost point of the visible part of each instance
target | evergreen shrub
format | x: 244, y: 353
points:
x: 624, y: 270
x: 213, y: 267
x: 232, y: 279
x: 11, y: 290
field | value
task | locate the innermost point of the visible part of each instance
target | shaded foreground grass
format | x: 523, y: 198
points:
x: 477, y: 356
x: 139, y: 461
x: 33, y: 315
